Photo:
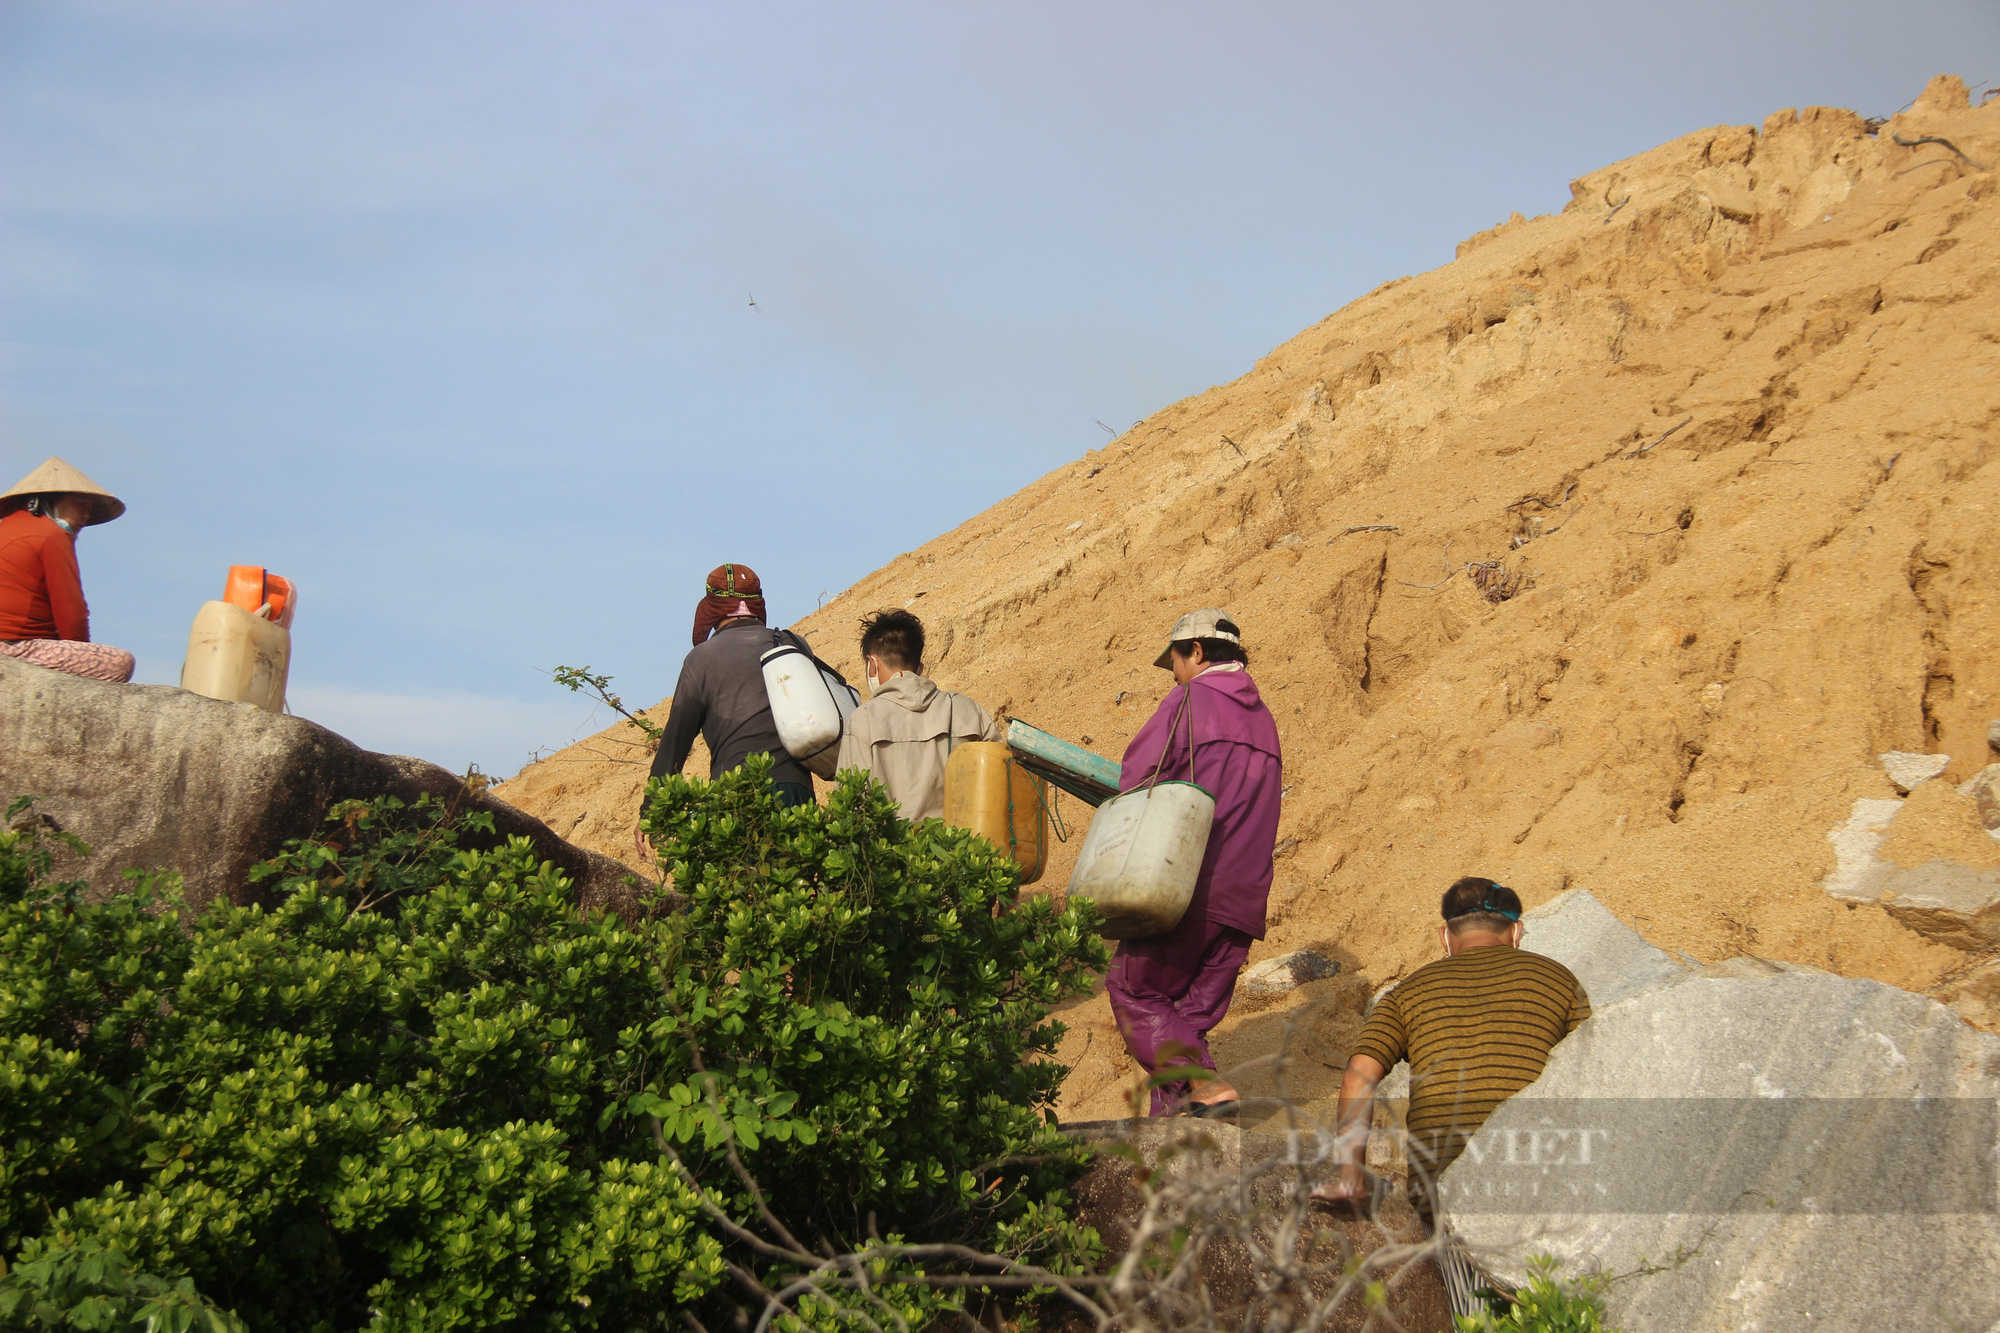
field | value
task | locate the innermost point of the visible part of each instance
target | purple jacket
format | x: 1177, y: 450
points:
x: 1237, y: 759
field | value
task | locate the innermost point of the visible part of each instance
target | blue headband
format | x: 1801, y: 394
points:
x: 1486, y: 904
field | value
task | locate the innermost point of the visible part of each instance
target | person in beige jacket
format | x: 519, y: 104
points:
x: 902, y: 735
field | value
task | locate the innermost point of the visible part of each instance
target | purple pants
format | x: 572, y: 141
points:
x: 1168, y: 991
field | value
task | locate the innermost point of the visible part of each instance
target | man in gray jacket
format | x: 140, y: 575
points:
x: 721, y: 695
x: 902, y: 735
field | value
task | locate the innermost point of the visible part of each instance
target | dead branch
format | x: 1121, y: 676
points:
x: 1362, y: 527
x: 1257, y: 1208
x: 1546, y: 504
x: 1234, y: 445
x: 614, y: 759
x: 1566, y: 522
x: 1640, y: 453
x: 1923, y: 139
x: 1449, y: 574
x: 1493, y: 579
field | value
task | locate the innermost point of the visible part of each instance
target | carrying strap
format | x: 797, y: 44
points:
x: 784, y: 638
x: 1186, y: 710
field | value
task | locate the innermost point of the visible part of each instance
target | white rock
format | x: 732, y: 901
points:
x: 1287, y: 972
x: 1610, y: 958
x: 1854, y: 846
x: 1769, y: 1130
x: 1984, y: 788
x: 1908, y: 770
x: 1946, y: 901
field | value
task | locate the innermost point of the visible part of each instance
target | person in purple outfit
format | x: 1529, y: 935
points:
x: 1168, y: 991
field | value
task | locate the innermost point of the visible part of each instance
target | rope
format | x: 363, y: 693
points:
x: 1052, y: 810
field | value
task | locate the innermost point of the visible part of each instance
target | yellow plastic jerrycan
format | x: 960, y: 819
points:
x: 986, y: 791
x: 240, y: 648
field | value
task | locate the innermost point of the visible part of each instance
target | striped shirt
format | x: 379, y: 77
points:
x: 1476, y: 1028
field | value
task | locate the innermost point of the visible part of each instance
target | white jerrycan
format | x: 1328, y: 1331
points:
x: 236, y: 655
x: 1139, y: 862
x: 1142, y: 856
x: 810, y: 703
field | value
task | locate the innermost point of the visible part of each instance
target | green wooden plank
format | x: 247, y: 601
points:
x: 1089, y: 777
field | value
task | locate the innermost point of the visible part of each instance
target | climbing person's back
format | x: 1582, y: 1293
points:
x: 905, y: 732
x: 1476, y: 1028
x: 722, y: 681
x: 721, y: 695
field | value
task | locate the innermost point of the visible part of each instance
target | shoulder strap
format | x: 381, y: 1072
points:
x: 789, y: 638
x: 1186, y: 710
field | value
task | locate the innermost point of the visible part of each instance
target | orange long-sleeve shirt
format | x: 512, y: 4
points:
x: 41, y: 590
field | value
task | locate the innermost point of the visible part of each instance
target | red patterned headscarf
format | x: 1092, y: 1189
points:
x: 733, y: 590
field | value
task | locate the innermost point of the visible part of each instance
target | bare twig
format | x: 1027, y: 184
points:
x: 1362, y: 527
x: 1642, y: 452
x: 1615, y: 207
x: 1449, y: 575
x: 583, y: 681
x: 1234, y: 445
x: 1494, y: 580
x: 1572, y: 518
x: 1922, y: 139
x: 1254, y: 1207
x: 1546, y: 504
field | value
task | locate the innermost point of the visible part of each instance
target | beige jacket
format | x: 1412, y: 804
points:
x: 902, y: 735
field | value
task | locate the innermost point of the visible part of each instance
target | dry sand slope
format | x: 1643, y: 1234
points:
x: 1591, y: 650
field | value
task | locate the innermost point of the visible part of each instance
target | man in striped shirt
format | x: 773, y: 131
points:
x: 1476, y: 1027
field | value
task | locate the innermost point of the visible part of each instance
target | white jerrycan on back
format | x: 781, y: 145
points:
x: 1140, y: 860
x: 810, y: 703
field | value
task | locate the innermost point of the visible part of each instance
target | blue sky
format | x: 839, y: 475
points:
x: 442, y: 309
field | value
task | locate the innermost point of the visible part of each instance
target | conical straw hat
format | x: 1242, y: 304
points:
x: 56, y: 477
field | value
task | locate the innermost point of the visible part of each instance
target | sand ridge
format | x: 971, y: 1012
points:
x: 1609, y: 554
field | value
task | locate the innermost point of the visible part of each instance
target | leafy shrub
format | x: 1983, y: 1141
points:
x: 420, y: 1090
x: 88, y: 1287
x: 1547, y: 1305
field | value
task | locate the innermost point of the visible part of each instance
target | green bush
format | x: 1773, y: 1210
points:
x: 420, y: 1090
x: 1547, y: 1305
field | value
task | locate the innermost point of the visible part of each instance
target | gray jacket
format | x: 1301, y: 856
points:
x: 721, y: 697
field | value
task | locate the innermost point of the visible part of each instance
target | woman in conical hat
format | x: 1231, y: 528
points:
x: 43, y: 617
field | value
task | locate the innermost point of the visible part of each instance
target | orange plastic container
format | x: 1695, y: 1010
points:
x: 987, y: 791
x: 252, y: 586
